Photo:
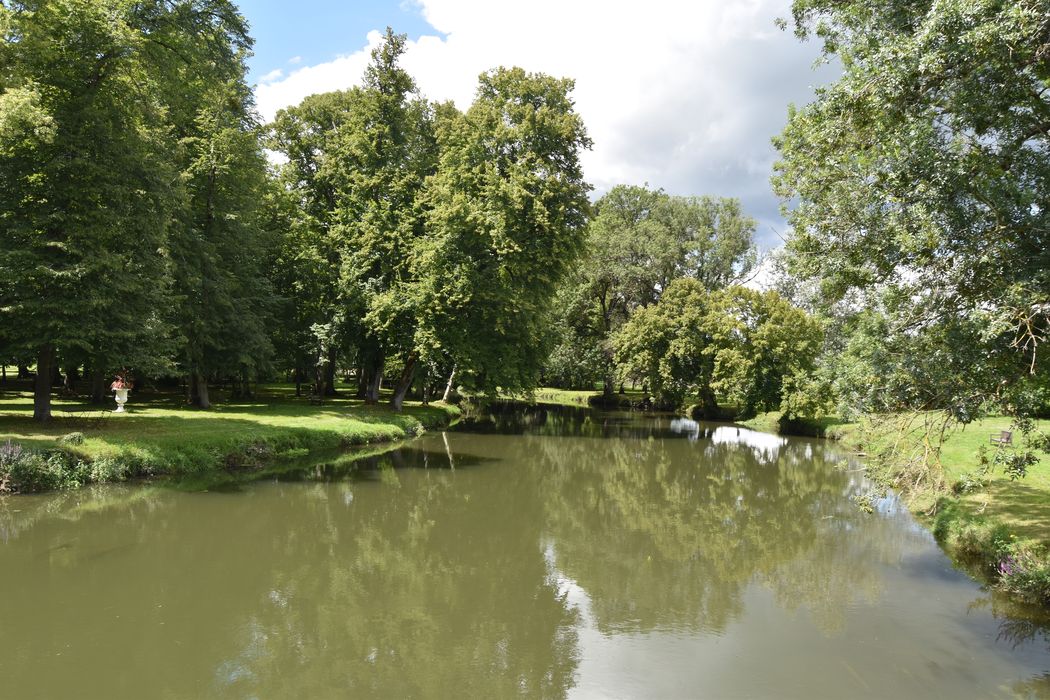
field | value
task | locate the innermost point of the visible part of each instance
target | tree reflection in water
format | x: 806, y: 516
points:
x: 395, y: 575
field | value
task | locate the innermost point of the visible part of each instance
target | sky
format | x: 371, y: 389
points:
x: 684, y: 95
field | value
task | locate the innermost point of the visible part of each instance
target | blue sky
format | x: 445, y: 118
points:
x: 317, y: 31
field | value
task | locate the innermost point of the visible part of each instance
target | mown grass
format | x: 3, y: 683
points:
x: 159, y: 434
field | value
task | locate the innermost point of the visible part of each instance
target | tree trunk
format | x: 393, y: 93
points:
x: 709, y: 403
x: 329, y: 374
x: 3, y: 373
x: 69, y: 381
x: 98, y: 385
x: 42, y: 393
x: 362, y: 380
x: 448, y: 387
x: 199, y: 390
x: 608, y: 379
x: 298, y: 381
x: 404, y: 382
x: 375, y: 382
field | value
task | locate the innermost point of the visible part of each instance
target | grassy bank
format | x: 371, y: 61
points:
x: 161, y: 436
x: 996, y: 527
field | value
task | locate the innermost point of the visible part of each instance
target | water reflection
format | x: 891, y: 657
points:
x: 533, y: 553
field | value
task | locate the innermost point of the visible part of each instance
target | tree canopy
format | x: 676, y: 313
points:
x: 639, y: 241
x: 919, y: 178
x: 751, y: 349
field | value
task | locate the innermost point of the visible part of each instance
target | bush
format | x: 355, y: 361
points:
x: 72, y: 439
x: 24, y: 471
x: 1026, y: 572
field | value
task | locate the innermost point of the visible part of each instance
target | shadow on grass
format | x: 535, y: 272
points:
x: 162, y: 416
x: 1026, y: 507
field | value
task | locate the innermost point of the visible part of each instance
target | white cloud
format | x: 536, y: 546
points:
x: 295, y: 60
x: 682, y: 95
x: 272, y: 76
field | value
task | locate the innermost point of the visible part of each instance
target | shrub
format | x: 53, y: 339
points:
x: 72, y: 439
x: 23, y: 470
x: 1025, y: 572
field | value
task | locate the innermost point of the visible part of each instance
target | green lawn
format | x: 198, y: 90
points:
x: 1023, y: 505
x: 159, y: 434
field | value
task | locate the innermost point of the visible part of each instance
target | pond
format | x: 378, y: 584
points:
x: 537, y: 552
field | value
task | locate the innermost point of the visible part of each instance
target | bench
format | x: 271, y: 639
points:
x: 1003, y: 438
x: 316, y: 399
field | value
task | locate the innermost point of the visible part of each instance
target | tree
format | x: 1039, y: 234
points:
x: 308, y: 259
x: 218, y: 241
x: 386, y: 149
x: 85, y: 189
x: 921, y: 179
x: 752, y: 349
x: 668, y: 346
x: 764, y: 352
x: 357, y: 161
x: 225, y: 297
x: 638, y: 242
x: 506, y: 221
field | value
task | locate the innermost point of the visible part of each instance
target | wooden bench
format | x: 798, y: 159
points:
x: 1003, y: 438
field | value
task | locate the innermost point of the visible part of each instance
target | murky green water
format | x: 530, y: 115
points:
x: 543, y: 554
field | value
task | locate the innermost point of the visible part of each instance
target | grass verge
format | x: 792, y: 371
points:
x: 161, y: 436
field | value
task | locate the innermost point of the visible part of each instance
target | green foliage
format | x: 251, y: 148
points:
x: 86, y: 184
x: 752, y: 348
x: 507, y: 211
x: 764, y: 352
x: 130, y: 174
x: 1019, y: 567
x: 637, y: 243
x: 669, y: 346
x: 919, y: 179
x: 23, y: 470
x: 1015, y: 461
x: 72, y: 439
x: 449, y: 232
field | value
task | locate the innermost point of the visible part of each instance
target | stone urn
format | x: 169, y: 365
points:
x: 121, y: 395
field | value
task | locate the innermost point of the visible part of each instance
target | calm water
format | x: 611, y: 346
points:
x: 539, y: 553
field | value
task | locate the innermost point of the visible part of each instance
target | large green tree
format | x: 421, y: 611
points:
x: 357, y: 162
x: 751, y: 349
x: 386, y: 150
x: 506, y: 220
x: 86, y: 191
x: 920, y: 178
x: 638, y: 242
x: 218, y: 240
x: 308, y: 260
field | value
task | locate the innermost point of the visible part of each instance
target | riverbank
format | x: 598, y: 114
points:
x: 995, y: 526
x: 159, y: 435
